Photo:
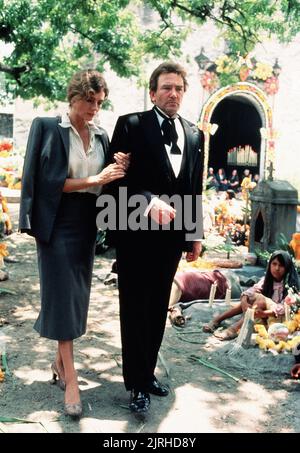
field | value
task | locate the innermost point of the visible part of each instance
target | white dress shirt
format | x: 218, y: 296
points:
x: 175, y: 159
x: 83, y: 164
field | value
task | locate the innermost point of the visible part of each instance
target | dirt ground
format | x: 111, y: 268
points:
x: 263, y: 399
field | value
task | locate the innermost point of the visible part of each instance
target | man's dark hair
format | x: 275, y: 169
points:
x: 168, y: 67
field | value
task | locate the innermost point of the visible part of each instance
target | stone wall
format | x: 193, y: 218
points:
x: 6, y: 125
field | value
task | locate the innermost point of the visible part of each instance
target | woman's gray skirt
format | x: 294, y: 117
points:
x: 65, y: 268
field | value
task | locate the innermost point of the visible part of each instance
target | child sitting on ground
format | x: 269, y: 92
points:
x: 280, y: 273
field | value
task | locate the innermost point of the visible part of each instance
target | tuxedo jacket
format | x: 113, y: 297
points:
x: 44, y: 173
x: 150, y: 172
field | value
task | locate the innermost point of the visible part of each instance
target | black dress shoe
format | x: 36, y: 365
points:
x: 140, y: 401
x: 156, y: 388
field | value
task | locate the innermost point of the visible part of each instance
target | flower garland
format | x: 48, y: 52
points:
x: 11, y: 165
x: 209, y: 81
x: 271, y: 85
x: 227, y: 70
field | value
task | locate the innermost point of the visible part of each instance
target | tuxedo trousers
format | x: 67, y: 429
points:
x: 146, y: 268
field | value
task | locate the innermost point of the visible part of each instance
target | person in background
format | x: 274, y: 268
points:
x: 222, y: 180
x: 255, y: 180
x: 64, y: 171
x: 234, y: 182
x: 211, y: 182
x: 280, y: 273
x: 246, y: 183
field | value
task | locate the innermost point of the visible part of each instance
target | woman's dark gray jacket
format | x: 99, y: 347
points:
x: 44, y: 173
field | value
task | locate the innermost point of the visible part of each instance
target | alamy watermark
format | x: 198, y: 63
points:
x: 120, y: 216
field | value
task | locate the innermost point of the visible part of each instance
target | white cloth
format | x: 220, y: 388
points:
x: 83, y: 164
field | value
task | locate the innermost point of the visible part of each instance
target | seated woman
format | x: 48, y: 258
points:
x: 280, y: 273
x: 222, y: 180
x: 192, y: 285
x: 234, y: 181
x: 211, y: 181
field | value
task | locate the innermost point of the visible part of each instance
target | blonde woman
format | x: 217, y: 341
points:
x: 64, y: 171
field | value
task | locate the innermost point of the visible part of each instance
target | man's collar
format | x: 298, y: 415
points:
x: 163, y: 114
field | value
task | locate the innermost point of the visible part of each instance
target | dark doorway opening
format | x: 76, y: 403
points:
x: 259, y: 228
x: 236, y: 143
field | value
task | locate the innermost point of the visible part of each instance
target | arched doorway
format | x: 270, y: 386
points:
x: 236, y: 143
x: 237, y: 125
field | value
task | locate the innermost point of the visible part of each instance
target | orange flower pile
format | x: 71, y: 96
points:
x: 5, y: 148
x: 295, y: 244
x: 266, y: 343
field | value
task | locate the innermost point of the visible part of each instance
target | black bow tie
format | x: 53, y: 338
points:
x: 170, y: 135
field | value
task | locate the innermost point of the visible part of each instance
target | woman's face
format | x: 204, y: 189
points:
x: 277, y: 270
x: 87, y: 108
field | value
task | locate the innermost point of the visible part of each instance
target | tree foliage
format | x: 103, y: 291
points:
x: 51, y: 39
x: 243, y: 23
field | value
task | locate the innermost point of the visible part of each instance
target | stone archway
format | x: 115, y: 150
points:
x: 256, y: 99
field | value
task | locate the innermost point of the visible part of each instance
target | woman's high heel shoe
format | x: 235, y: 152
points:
x: 56, y: 379
x: 74, y: 409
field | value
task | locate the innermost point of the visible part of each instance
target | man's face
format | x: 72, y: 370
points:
x: 169, y: 93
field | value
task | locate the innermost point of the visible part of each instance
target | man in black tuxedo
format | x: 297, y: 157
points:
x: 166, y: 159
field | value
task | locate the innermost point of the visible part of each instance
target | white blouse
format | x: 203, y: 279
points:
x: 83, y: 164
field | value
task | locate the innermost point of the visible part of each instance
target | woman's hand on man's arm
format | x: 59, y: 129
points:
x: 107, y: 175
x: 122, y: 159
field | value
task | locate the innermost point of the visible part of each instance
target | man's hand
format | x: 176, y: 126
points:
x: 161, y: 212
x: 194, y: 255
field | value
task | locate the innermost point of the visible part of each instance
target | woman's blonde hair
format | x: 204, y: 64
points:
x: 84, y: 84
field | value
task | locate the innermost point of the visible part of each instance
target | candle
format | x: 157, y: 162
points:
x: 228, y: 296
x: 287, y: 312
x: 212, y: 293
